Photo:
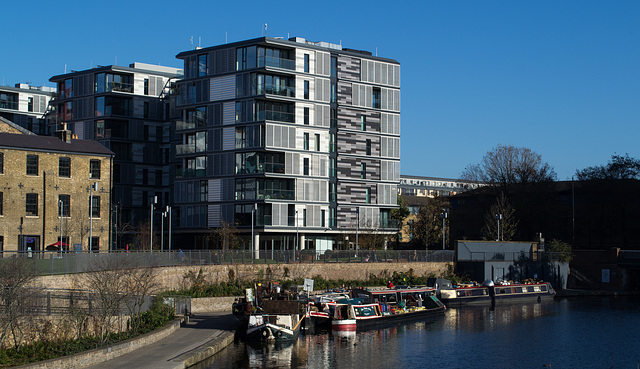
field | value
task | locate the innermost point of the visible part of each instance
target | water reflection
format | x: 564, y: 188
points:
x: 566, y: 333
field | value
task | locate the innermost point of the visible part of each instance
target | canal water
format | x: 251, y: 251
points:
x: 600, y: 332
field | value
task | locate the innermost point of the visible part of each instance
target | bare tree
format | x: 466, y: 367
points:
x: 506, y: 164
x: 428, y: 223
x: 143, y: 237
x: 15, y: 275
x: 503, y: 214
x: 226, y: 235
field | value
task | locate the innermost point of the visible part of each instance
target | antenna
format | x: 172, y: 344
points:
x: 225, y: 37
x: 265, y: 30
x: 199, y: 41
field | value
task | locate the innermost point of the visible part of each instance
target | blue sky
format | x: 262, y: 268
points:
x: 559, y: 77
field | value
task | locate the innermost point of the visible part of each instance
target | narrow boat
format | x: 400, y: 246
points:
x: 489, y: 293
x: 386, y: 307
x: 320, y: 309
x: 279, y: 322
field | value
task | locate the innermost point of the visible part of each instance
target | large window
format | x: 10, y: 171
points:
x: 64, y: 167
x: 306, y: 63
x: 31, y: 204
x: 306, y: 116
x: 95, y: 207
x: 32, y: 165
x: 196, y: 117
x: 65, y: 89
x: 306, y: 141
x: 94, y: 165
x: 245, y: 58
x: 8, y: 101
x: 107, y: 82
x: 113, y: 105
x: 64, y: 205
x: 305, y: 167
x: 306, y: 90
x: 375, y: 98
x: 202, y: 65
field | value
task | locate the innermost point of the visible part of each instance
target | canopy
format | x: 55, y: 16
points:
x: 56, y: 246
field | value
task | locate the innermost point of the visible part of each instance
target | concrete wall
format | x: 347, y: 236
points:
x: 171, y: 278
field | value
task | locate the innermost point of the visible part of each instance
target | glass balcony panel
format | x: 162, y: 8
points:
x: 180, y: 125
x: 272, y: 61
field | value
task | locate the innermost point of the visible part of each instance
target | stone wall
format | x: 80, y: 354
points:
x: 172, y: 278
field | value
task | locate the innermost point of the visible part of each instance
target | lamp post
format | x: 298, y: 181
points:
x: 60, y: 203
x: 498, y: 218
x: 253, y: 211
x: 168, y: 211
x: 155, y: 200
x: 297, y: 232
x: 164, y: 215
x: 94, y: 187
x: 444, y: 216
x: 357, y: 227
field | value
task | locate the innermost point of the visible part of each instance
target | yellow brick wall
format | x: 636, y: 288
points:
x: 15, y: 184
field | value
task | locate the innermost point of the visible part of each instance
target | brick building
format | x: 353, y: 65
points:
x: 46, y: 191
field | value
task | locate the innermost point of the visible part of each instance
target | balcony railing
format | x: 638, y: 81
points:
x: 278, y: 90
x: 277, y: 116
x: 270, y: 61
x: 191, y: 173
x: 185, y: 149
x: 277, y: 195
x: 9, y: 105
x: 120, y: 87
x: 180, y: 125
x: 388, y: 223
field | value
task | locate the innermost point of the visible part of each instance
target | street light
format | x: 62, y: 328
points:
x: 253, y: 210
x: 94, y: 187
x: 297, y: 232
x: 60, y: 203
x: 155, y: 200
x: 164, y: 215
x: 357, y: 227
x: 168, y: 211
x: 444, y: 216
x: 498, y: 218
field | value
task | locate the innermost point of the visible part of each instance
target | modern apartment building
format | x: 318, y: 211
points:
x: 53, y: 189
x: 433, y: 186
x: 127, y: 109
x: 295, y: 141
x: 26, y: 106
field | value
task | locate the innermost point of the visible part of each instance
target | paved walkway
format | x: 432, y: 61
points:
x: 206, y: 334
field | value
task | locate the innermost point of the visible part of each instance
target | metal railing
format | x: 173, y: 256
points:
x: 510, y: 256
x: 54, y: 263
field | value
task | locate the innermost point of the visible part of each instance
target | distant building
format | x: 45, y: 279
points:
x: 45, y: 191
x: 433, y: 186
x: 301, y: 137
x: 27, y: 106
x: 508, y: 261
x: 128, y: 110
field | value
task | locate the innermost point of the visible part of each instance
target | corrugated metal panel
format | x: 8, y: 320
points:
x: 228, y: 113
x: 214, y: 216
x: 222, y: 88
x: 215, y: 190
x: 228, y: 138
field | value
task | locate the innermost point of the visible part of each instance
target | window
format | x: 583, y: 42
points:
x: 1, y: 163
x: 32, y: 204
x: 306, y: 90
x: 64, y: 205
x: 368, y: 146
x: 306, y: 116
x: 306, y: 141
x: 317, y: 142
x: 334, y: 66
x: 306, y: 63
x: 202, y: 65
x: 145, y: 110
x: 375, y: 98
x: 30, y: 103
x: 146, y: 86
x: 363, y: 123
x: 306, y: 167
x: 1, y: 203
x: 95, y: 207
x: 32, y: 165
x: 94, y: 244
x: 367, y: 195
x: 322, y: 216
x: 145, y: 176
x: 95, y: 169
x: 363, y: 171
x: 203, y: 191
x: 64, y: 167
x: 304, y: 217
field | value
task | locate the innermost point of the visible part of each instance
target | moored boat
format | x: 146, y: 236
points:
x: 489, y: 293
x: 386, y: 307
x: 280, y: 321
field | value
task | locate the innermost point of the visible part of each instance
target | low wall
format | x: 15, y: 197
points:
x: 173, y: 278
x: 211, y: 304
x: 100, y: 355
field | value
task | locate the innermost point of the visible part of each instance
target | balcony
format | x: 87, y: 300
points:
x: 119, y: 87
x: 277, y: 116
x: 388, y: 223
x: 181, y: 125
x: 270, y: 61
x: 192, y: 173
x: 185, y: 149
x: 4, y: 104
x: 277, y: 195
x: 286, y: 91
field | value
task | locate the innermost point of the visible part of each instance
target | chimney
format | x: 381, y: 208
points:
x: 63, y: 133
